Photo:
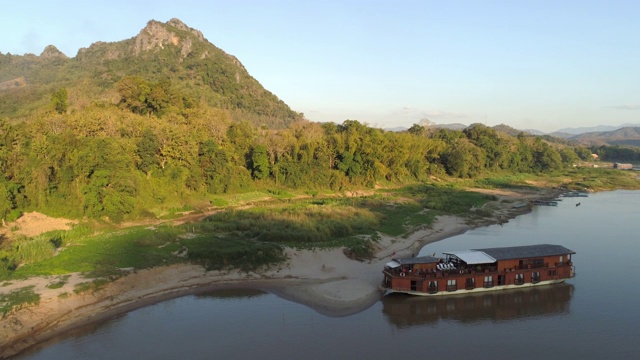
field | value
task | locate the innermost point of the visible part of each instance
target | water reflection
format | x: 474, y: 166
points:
x: 405, y: 311
x: 232, y: 294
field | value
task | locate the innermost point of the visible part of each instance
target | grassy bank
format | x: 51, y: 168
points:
x: 254, y: 231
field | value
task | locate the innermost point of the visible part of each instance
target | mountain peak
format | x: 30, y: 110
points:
x: 176, y: 23
x: 157, y: 35
x: 166, y: 53
x: 52, y: 52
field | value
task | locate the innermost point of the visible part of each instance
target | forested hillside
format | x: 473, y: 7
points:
x: 165, y: 119
x: 626, y: 136
x: 182, y: 72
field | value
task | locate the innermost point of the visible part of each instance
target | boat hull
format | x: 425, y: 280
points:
x: 476, y: 290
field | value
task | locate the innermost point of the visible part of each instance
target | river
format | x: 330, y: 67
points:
x: 592, y: 316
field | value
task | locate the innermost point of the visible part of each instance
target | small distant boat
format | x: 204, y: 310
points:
x: 479, y: 270
x: 575, y: 194
x: 544, y: 203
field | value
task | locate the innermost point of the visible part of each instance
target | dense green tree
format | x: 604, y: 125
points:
x: 7, y: 200
x: 134, y: 94
x: 60, y: 100
x: 495, y: 148
x: 148, y: 151
x: 143, y: 97
x: 618, y: 153
x: 259, y: 162
x: 521, y: 156
x: 418, y: 130
x: 214, y: 166
x: 546, y: 158
x: 464, y: 159
x: 448, y: 136
x: 569, y: 156
x: 583, y: 153
x: 350, y: 164
x: 241, y: 137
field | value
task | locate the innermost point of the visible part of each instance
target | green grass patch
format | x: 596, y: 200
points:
x: 507, y: 181
x: 90, y: 286
x: 217, y: 253
x: 56, y: 285
x: 219, y: 202
x: 295, y: 223
x: 446, y: 199
x: 280, y: 194
x: 104, y: 254
x: 60, y: 283
x: 244, y: 198
x: 31, y: 250
x: 360, y: 249
x: 603, y: 179
x: 398, y: 218
x: 17, y: 299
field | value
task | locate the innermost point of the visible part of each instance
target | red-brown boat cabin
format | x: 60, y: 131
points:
x: 480, y: 270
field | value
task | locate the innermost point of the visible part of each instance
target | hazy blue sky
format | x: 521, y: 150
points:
x: 528, y: 64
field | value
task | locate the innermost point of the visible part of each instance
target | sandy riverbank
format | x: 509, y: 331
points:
x: 325, y: 280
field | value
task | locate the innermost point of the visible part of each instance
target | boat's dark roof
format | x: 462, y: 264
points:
x: 418, y: 260
x: 524, y: 252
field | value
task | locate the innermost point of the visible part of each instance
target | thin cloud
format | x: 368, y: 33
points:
x: 31, y: 42
x: 626, y: 107
x: 417, y: 114
x: 444, y: 115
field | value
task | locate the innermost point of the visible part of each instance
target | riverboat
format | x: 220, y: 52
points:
x: 479, y: 270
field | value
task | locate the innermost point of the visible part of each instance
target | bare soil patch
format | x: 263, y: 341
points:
x: 33, y: 224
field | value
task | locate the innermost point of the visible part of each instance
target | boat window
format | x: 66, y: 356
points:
x: 470, y: 283
x: 452, y: 285
x: 519, y: 279
x: 433, y: 287
x: 535, y: 277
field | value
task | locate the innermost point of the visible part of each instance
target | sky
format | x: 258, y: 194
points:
x: 542, y: 65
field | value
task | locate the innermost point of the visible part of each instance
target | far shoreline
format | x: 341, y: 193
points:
x: 324, y: 280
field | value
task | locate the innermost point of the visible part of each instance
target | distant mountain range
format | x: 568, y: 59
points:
x: 598, y: 128
x: 626, y: 136
x: 623, y: 135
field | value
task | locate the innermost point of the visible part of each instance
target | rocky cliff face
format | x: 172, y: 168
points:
x: 182, y: 26
x: 157, y: 35
x: 52, y: 52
